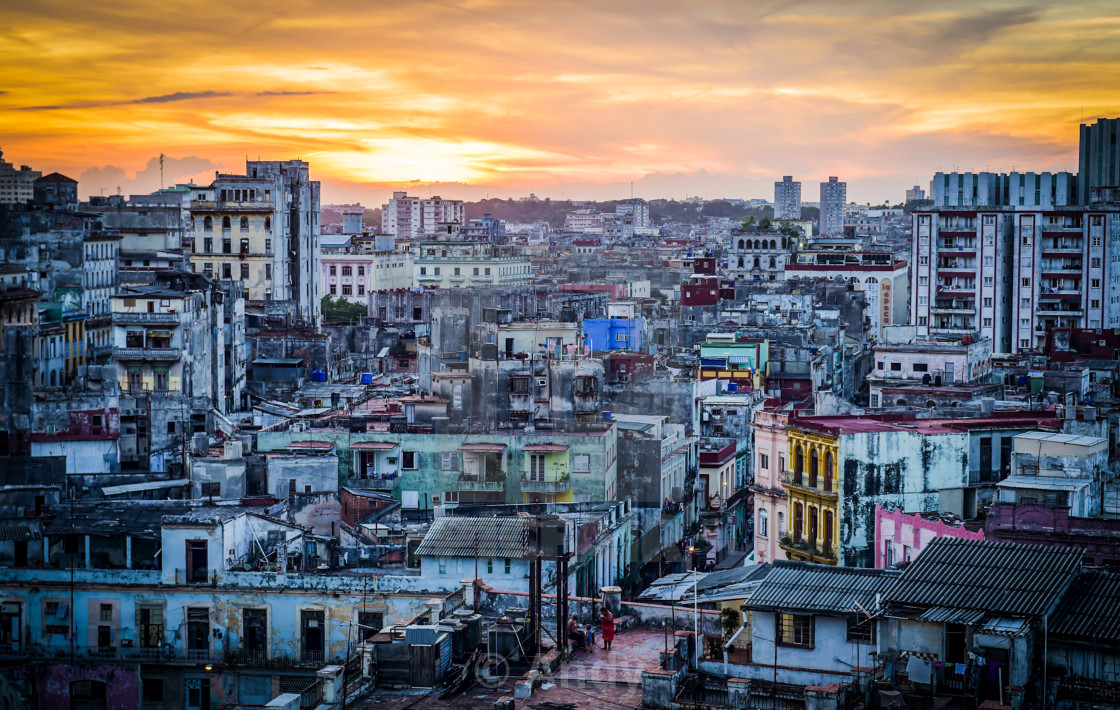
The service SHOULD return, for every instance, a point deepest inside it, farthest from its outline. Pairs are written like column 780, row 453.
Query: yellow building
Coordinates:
column 547, row 477
column 812, row 486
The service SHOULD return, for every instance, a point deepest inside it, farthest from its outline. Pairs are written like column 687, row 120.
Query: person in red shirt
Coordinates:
column 606, row 623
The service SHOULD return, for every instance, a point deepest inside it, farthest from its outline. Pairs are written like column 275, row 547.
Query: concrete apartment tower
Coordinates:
column 787, row 199
column 1099, row 157
column 833, row 196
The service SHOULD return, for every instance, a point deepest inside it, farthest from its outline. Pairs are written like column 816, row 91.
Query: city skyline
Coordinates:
column 568, row 101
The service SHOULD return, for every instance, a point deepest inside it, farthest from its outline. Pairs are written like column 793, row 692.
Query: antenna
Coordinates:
column 160, row 171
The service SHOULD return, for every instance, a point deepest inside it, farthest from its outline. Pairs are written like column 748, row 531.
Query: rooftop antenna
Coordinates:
column 161, row 171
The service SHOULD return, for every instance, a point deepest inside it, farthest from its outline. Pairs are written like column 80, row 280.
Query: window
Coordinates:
column 225, row 224
column 152, row 690
column 921, row 367
column 244, row 224
column 581, row 463
column 489, row 565
column 106, row 612
column 1094, row 283
column 922, row 320
column 449, row 461
column 861, row 630
column 987, row 322
column 989, row 280
column 96, row 425
column 764, row 462
column 923, row 281
column 347, row 271
column 1095, row 303
column 212, row 490
column 267, row 246
column 244, row 271
column 1027, row 282
column 435, row 271
column 334, row 270
column 989, row 261
column 268, row 271
column 795, row 630
column 923, row 300
column 509, row 565
column 923, row 261
column 763, row 529
column 451, row 496
column 361, row 290
column 987, row 303
column 1095, row 262
column 208, row 224
column 1096, row 241
column 896, row 367
column 536, row 467
column 409, row 460
column 443, row 566
column 227, row 271
column 347, row 289
column 334, row 290
column 620, row 337
column 208, row 245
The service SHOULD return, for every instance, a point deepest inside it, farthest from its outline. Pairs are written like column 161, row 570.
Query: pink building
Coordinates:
column 899, row 536
column 770, row 505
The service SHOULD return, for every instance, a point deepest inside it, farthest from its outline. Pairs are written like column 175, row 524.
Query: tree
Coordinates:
column 730, row 620
column 336, row 309
column 748, row 223
column 764, row 224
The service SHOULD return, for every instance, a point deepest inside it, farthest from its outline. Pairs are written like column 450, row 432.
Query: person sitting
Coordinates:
column 580, row 636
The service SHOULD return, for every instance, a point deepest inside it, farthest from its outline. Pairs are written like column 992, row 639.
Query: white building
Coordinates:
column 354, row 276
column 884, row 280
column 16, row 186
column 418, row 217
column 462, row 264
column 262, row 229
column 635, row 208
column 584, row 220
column 1010, row 274
column 787, row 199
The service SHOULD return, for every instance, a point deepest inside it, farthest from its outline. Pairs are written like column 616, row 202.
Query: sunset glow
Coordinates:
column 571, row 99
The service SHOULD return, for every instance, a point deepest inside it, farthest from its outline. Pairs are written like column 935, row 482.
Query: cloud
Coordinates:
column 181, row 96
column 291, row 93
column 109, row 179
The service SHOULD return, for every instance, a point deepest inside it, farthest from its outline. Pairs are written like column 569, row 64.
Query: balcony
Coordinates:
column 804, row 482
column 375, row 483
column 560, row 485
column 142, row 318
column 482, row 484
column 124, row 654
column 160, row 354
column 809, row 551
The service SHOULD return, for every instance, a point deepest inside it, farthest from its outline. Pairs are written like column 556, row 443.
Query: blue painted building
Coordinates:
column 615, row 333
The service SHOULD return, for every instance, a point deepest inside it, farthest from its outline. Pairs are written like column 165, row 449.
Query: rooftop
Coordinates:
column 864, row 423
column 986, row 577
column 1088, row 610
column 802, row 586
column 470, row 536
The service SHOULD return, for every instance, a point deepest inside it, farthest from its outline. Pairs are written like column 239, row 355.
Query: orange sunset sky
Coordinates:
column 565, row 99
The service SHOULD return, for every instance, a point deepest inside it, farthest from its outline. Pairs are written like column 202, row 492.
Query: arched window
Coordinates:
column 773, row 263
column 268, row 223
column 244, row 224
column 208, row 224
column 781, row 523
column 225, row 224
column 901, row 402
column 740, row 262
column 871, row 280
column 741, row 243
column 828, row 471
column 773, row 244
column 814, row 467
column 756, row 262
column 798, row 461
column 930, row 403
column 54, row 378
column 798, row 519
column 828, row 523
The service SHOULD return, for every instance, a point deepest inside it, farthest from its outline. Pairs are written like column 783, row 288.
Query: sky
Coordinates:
column 579, row 99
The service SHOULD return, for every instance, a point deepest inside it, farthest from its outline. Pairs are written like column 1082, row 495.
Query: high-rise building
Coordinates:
column 416, row 217
column 16, row 186
column 915, row 193
column 636, row 208
column 1011, row 274
column 787, row 199
column 1099, row 158
column 833, row 196
column 262, row 229
column 1041, row 190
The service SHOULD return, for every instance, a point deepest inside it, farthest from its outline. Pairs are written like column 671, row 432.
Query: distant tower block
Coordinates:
column 351, row 222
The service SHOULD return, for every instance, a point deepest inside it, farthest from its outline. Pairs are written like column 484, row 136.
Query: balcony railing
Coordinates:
column 160, row 318
column 162, row 354
column 811, row 550
column 374, row 483
column 481, row 484
column 560, row 485
column 803, row 481
column 124, row 654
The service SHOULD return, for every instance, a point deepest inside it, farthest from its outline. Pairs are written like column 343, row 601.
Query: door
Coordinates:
column 986, row 458
column 19, row 553
column 197, row 562
column 10, row 626
column 422, row 661
column 311, row 635
column 198, row 634
column 254, row 624
column 369, row 623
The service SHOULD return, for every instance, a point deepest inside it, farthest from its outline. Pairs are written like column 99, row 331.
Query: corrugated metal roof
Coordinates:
column 455, row 537
column 20, row 531
column 994, row 577
column 1089, row 609
column 941, row 615
column 801, row 586
column 1045, row 483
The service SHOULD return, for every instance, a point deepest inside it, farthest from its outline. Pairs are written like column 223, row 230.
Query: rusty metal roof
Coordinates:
column 456, row 537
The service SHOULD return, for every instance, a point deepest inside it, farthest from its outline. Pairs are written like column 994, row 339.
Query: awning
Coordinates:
column 1004, row 626
column 944, row 615
column 492, row 448
column 545, row 447
column 740, row 359
column 316, row 445
column 148, row 486
column 374, row 445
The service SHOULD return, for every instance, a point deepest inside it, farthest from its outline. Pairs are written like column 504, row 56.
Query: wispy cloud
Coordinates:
column 181, row 96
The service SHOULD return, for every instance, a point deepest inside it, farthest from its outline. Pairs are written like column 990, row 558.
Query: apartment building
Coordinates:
column 353, row 277
column 419, row 217
column 834, row 195
column 787, row 198
column 463, row 264
column 1017, row 189
column 1010, row 274
column 262, row 229
column 884, row 280
column 16, row 186
column 758, row 255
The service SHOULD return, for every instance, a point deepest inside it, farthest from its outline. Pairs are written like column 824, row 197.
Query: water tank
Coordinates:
column 318, row 376
column 606, row 415
column 732, row 387
column 367, row 378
